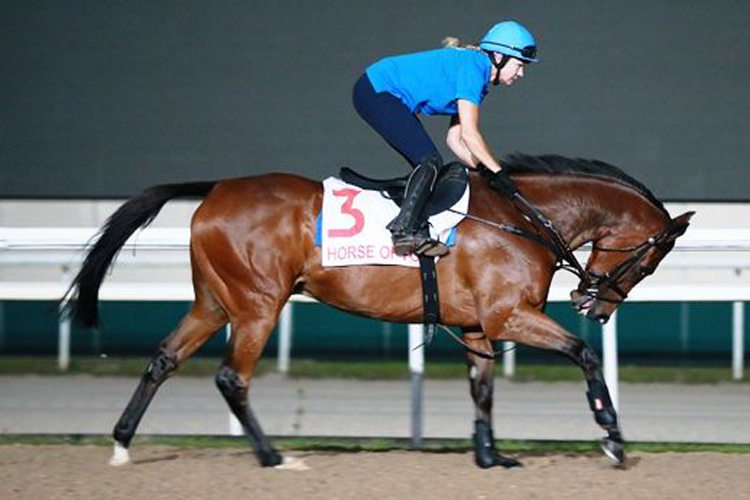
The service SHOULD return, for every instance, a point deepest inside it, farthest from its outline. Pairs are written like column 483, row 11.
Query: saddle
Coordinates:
column 449, row 186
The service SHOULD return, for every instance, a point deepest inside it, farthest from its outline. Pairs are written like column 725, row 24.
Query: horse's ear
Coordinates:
column 680, row 224
column 684, row 219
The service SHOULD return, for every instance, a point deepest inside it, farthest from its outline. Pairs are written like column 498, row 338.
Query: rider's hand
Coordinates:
column 499, row 181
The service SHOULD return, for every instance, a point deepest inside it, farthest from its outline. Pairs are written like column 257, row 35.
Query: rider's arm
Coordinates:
column 454, row 142
column 471, row 137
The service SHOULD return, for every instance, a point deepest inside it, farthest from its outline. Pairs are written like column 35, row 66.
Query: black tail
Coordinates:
column 83, row 295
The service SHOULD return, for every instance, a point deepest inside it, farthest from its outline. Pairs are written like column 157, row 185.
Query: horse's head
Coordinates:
column 620, row 261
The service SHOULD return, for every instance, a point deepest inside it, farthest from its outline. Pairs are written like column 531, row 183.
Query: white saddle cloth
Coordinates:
column 353, row 226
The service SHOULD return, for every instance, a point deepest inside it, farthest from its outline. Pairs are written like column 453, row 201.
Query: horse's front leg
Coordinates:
column 529, row 326
column 600, row 402
column 481, row 381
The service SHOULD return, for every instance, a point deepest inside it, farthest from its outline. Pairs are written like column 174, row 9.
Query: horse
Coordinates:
column 252, row 245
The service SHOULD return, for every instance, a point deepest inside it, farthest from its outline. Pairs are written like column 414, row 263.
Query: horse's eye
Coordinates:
column 645, row 271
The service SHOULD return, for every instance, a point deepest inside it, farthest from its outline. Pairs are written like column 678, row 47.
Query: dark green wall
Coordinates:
column 105, row 98
column 664, row 332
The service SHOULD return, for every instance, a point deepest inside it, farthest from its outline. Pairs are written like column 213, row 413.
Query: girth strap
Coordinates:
column 430, row 297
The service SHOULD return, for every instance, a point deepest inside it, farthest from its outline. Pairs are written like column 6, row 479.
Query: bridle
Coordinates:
column 592, row 284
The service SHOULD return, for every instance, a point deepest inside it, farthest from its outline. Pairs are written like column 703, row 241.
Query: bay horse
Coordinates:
column 252, row 246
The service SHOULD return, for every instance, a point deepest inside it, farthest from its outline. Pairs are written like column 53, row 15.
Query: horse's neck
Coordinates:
column 583, row 209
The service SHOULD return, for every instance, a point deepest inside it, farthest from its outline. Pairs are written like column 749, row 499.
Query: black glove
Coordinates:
column 499, row 181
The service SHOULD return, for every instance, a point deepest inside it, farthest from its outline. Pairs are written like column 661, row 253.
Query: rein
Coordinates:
column 508, row 228
column 565, row 259
column 591, row 284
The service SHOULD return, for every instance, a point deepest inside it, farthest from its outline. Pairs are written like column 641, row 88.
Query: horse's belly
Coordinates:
column 387, row 292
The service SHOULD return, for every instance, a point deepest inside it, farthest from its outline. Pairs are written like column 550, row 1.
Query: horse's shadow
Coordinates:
column 151, row 460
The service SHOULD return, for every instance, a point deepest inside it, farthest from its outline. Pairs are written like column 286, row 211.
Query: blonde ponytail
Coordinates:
column 452, row 41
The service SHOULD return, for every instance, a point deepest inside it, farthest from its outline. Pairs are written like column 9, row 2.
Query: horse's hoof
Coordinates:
column 120, row 456
column 508, row 462
column 615, row 450
column 269, row 458
column 495, row 459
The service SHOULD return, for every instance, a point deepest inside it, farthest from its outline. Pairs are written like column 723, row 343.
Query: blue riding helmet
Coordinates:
column 512, row 39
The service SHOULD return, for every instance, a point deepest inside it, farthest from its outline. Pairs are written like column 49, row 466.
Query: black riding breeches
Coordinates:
column 390, row 118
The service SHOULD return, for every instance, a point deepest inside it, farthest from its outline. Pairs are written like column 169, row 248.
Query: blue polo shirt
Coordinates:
column 430, row 82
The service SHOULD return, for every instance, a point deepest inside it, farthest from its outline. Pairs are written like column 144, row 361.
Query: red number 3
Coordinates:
column 346, row 208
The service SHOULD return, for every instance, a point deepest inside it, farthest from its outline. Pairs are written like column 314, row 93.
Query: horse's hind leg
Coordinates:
column 249, row 336
column 530, row 326
column 197, row 327
column 481, row 371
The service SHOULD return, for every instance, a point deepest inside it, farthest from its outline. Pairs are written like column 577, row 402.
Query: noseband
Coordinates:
column 593, row 284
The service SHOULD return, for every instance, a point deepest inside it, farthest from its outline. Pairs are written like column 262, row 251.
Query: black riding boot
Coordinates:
column 404, row 228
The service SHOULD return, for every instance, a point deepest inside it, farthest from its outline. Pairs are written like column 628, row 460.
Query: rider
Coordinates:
column 448, row 81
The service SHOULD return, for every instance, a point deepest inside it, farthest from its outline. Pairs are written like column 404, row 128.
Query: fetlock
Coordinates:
column 123, row 433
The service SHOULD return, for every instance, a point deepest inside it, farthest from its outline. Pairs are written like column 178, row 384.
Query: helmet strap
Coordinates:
column 498, row 65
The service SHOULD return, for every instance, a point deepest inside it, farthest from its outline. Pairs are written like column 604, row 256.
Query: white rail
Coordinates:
column 706, row 265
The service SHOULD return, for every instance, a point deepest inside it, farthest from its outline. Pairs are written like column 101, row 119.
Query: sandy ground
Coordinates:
column 81, row 472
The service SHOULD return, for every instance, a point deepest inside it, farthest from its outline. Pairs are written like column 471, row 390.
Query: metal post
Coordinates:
column 387, row 332
column 609, row 348
column 684, row 328
column 416, row 368
column 285, row 338
column 738, row 340
column 235, row 427
column 2, row 326
column 509, row 359
column 63, row 330
column 63, row 341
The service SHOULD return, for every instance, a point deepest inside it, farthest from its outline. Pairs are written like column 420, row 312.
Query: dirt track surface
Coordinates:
column 81, row 472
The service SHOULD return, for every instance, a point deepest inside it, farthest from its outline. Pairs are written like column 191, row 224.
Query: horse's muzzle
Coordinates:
column 592, row 308
column 581, row 301
column 600, row 317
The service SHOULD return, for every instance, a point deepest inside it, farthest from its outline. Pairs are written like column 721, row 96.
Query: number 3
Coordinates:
column 346, row 208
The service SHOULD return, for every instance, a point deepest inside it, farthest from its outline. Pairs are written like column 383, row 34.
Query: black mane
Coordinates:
column 561, row 165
